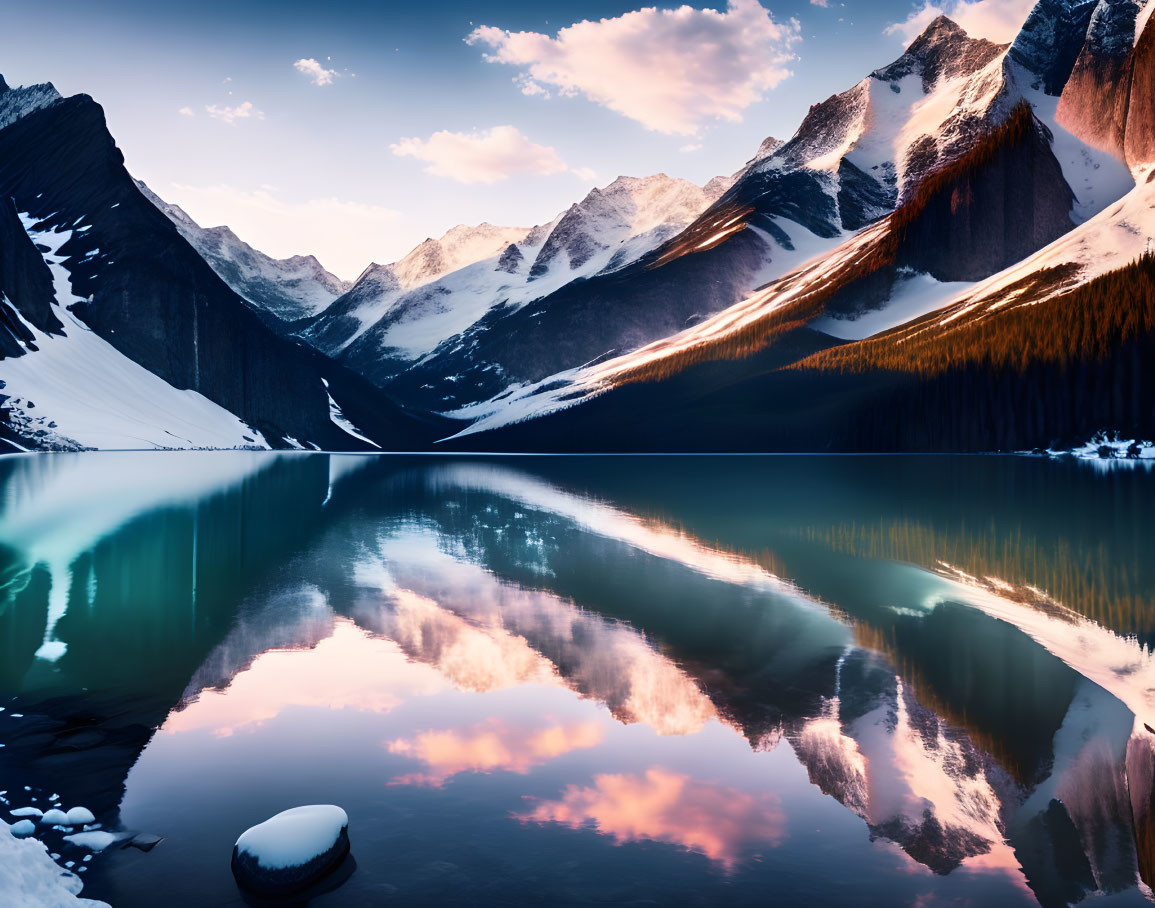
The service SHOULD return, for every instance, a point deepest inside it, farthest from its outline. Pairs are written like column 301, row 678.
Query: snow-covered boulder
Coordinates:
column 78, row 816
column 292, row 850
column 96, row 840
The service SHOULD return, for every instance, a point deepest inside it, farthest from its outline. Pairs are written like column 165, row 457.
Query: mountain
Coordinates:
column 288, row 289
column 855, row 158
column 383, row 294
column 396, row 314
column 924, row 330
column 116, row 331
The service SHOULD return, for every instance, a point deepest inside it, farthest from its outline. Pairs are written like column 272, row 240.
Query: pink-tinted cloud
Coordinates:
column 481, row 157
column 672, row 70
column 723, row 823
column 492, row 746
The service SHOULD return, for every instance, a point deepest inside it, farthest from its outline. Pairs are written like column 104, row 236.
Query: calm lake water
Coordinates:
column 784, row 680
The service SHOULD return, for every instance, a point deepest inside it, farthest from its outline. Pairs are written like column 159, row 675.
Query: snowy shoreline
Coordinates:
column 28, row 874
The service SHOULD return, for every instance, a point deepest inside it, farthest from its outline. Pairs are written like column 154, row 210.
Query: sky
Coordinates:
column 353, row 130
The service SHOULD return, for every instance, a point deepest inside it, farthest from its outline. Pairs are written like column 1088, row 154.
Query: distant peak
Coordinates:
column 769, row 145
column 943, row 25
column 3, row 84
column 372, row 269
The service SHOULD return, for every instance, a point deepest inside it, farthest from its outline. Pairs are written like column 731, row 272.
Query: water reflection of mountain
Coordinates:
column 133, row 568
column 922, row 708
column 953, row 678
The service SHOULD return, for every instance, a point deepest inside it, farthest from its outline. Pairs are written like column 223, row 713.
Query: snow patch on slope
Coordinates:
column 1097, row 178
column 79, row 388
column 1142, row 19
column 341, row 421
column 916, row 296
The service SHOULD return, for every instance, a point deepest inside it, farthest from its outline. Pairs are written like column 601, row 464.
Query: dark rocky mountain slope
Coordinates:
column 140, row 287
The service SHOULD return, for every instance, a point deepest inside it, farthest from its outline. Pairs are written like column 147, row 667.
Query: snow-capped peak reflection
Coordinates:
column 348, row 669
column 601, row 659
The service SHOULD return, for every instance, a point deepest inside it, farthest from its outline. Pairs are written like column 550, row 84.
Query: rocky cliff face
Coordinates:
column 978, row 220
column 1096, row 99
column 1051, row 39
column 25, row 287
column 1139, row 136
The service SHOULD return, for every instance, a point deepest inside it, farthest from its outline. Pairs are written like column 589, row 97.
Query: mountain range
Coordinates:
column 952, row 254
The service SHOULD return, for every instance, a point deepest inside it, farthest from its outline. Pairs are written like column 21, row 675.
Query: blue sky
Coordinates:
column 353, row 130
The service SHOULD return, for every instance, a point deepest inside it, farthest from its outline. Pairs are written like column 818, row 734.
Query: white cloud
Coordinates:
column 481, row 157
column 995, row 20
column 316, row 72
column 691, row 147
column 669, row 69
column 230, row 115
column 825, row 4
column 186, row 112
column 344, row 236
column 529, row 87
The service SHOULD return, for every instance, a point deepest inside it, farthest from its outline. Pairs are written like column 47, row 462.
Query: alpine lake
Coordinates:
column 589, row 680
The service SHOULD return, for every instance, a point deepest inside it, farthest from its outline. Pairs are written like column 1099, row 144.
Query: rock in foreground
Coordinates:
column 292, row 850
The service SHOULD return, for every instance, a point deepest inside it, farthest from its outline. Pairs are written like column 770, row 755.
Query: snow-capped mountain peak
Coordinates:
column 769, row 145
column 379, row 277
column 904, row 119
column 943, row 50
column 655, row 207
column 460, row 246
column 290, row 289
column 445, row 285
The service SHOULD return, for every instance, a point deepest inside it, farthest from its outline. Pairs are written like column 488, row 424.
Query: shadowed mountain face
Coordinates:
column 25, row 286
column 141, row 288
column 882, row 622
column 1051, row 40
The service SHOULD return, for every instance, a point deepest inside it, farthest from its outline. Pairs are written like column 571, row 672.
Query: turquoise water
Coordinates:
column 842, row 681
